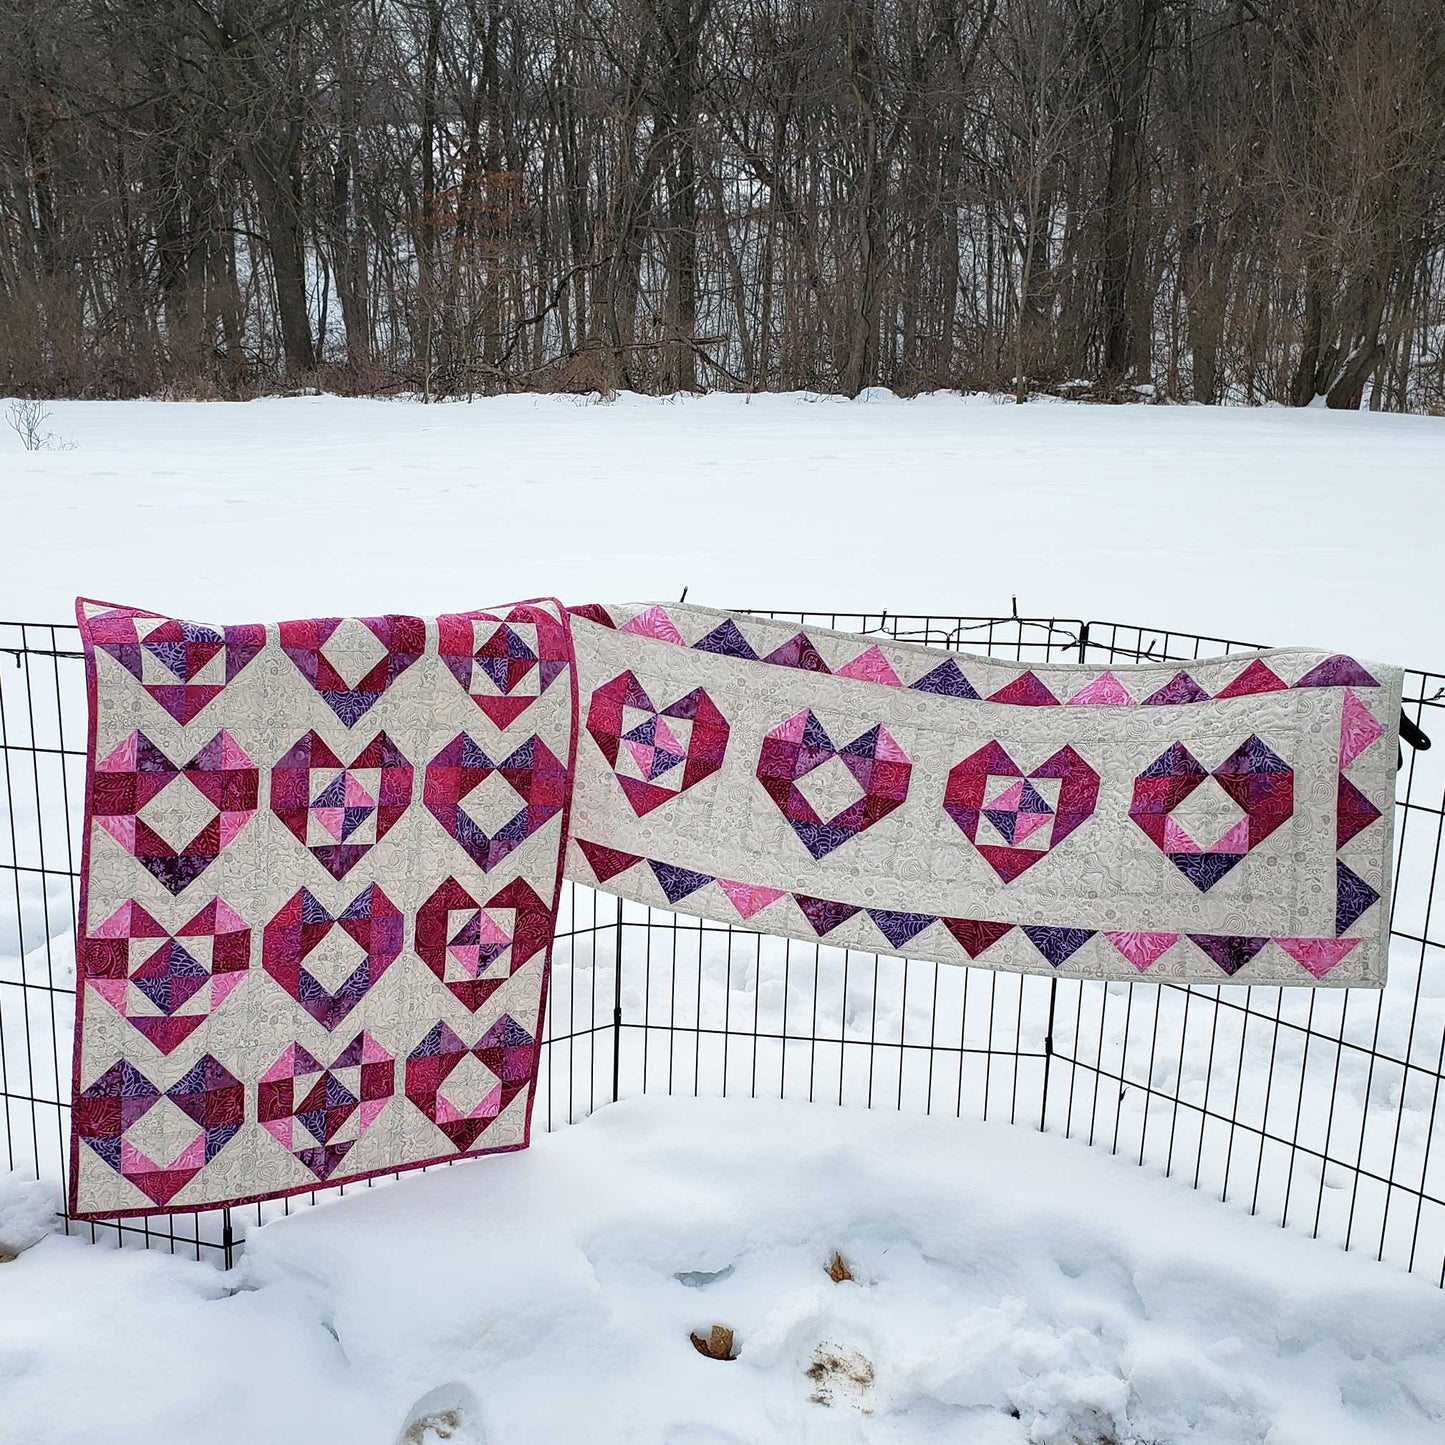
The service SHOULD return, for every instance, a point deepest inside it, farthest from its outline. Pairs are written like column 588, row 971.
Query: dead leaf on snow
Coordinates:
column 717, row 1346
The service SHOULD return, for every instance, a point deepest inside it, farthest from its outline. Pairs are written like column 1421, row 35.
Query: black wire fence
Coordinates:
column 1316, row 1108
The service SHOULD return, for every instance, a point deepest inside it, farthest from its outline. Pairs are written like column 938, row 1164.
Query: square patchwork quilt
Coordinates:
column 321, row 866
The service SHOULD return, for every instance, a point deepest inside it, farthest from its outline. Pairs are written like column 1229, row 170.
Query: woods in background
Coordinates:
column 1229, row 200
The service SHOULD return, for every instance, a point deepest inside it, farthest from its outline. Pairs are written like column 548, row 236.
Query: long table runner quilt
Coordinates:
column 322, row 859
column 1229, row 821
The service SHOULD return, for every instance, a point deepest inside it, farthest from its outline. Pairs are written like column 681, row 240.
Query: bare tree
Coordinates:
column 1232, row 199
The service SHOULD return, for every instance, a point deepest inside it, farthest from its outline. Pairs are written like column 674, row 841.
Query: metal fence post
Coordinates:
column 617, row 1008
column 1083, row 656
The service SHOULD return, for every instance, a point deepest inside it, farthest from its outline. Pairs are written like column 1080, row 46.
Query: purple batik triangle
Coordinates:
column 900, row 928
column 1058, row 944
column 676, row 882
column 1337, row 671
column 863, row 746
column 1352, row 897
column 644, row 732
column 727, row 641
column 1003, row 819
column 947, row 680
column 1175, row 762
column 1204, row 870
column 1179, row 689
column 1252, row 756
column 815, row 735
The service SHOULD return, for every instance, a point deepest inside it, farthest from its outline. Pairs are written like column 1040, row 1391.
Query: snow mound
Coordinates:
column 28, row 1211
column 997, row 1287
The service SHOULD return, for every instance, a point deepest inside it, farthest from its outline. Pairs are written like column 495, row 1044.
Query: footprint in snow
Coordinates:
column 701, row 1278
column 841, row 1375
column 448, row 1413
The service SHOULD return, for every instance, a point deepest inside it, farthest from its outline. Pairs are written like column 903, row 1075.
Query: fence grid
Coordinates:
column 1316, row 1108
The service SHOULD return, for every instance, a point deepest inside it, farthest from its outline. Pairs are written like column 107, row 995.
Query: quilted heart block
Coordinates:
column 174, row 819
column 351, row 661
column 327, row 963
column 474, row 948
column 504, row 664
column 462, row 1090
column 1014, row 818
column 1205, row 822
column 182, row 665
column 167, row 984
column 160, row 1140
column 830, row 795
column 320, row 1111
column 339, row 811
column 656, row 753
column 491, row 808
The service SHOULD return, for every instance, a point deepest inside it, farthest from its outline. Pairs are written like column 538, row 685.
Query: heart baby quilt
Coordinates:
column 321, row 867
column 322, row 858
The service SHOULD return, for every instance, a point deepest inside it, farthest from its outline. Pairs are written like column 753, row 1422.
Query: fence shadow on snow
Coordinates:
column 1316, row 1108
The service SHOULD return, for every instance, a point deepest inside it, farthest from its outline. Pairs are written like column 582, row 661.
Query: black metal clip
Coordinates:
column 1410, row 733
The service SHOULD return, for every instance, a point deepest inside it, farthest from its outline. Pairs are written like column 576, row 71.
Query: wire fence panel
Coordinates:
column 1314, row 1107
column 717, row 1010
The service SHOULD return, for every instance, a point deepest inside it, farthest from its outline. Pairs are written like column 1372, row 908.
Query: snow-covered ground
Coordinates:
column 1275, row 526
column 997, row 1271
column 1006, row 1288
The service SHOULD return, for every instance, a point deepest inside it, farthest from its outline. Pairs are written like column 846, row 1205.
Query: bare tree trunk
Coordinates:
column 344, row 225
column 861, row 366
column 275, row 171
column 680, row 24
column 1125, row 89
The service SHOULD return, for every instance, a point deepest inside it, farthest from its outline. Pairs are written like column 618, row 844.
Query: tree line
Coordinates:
column 1210, row 200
